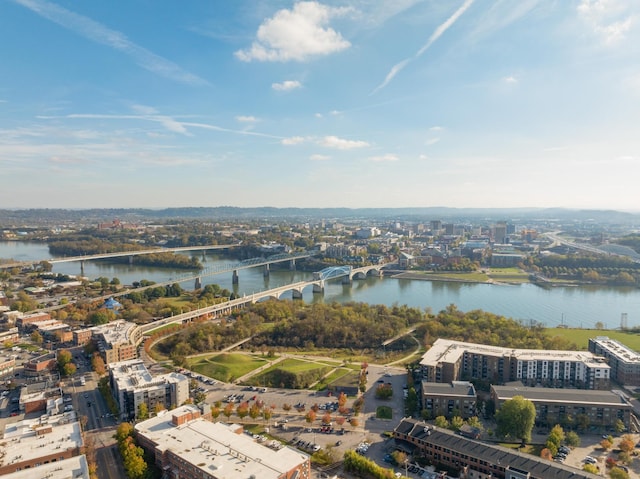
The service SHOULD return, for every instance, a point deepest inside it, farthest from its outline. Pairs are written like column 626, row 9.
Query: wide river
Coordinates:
column 581, row 306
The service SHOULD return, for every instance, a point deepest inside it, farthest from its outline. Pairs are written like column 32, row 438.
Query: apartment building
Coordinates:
column 477, row 460
column 133, row 385
column 457, row 398
column 116, row 341
column 187, row 446
column 624, row 362
column 449, row 360
column 564, row 406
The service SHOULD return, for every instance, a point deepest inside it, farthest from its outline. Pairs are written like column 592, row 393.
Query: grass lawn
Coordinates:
column 226, row 366
column 581, row 336
column 297, row 365
column 334, row 376
column 512, row 275
column 470, row 276
column 384, row 412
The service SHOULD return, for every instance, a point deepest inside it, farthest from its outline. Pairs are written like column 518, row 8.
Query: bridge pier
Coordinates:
column 292, row 265
column 234, row 277
column 296, row 294
column 347, row 279
column 130, row 260
column 265, row 271
column 198, row 283
column 81, row 267
column 318, row 288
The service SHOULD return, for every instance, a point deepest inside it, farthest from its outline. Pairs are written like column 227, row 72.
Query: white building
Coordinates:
column 187, row 446
column 133, row 385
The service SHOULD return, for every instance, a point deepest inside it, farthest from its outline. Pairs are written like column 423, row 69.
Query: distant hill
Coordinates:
column 15, row 218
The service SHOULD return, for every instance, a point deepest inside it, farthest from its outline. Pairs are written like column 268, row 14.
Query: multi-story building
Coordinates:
column 36, row 442
column 116, row 341
column 457, row 398
column 75, row 467
column 187, row 446
column 7, row 365
column 40, row 365
column 564, row 406
column 24, row 320
column 10, row 334
column 624, row 362
column 449, row 360
column 475, row 459
column 133, row 385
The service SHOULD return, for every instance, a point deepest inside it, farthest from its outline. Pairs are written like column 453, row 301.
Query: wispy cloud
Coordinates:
column 327, row 142
column 286, row 85
column 319, row 157
column 246, row 119
column 341, row 143
column 297, row 34
column 611, row 20
column 293, row 140
column 432, row 141
column 511, row 79
column 94, row 31
column 437, row 33
column 384, row 158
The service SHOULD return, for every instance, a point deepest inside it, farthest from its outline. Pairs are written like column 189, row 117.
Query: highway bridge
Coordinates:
column 296, row 289
column 119, row 254
column 557, row 239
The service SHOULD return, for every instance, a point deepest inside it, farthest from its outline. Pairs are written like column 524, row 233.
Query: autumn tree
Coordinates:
column 606, row 444
column 242, row 410
column 626, row 444
column 310, row 416
column 228, row 410
column 342, row 399
column 215, row 412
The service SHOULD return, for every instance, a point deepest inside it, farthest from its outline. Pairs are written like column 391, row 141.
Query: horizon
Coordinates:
column 353, row 104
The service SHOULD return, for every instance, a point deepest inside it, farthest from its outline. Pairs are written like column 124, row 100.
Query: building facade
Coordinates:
column 457, row 398
column 186, row 446
column 624, row 362
column 133, row 385
column 569, row 407
column 448, row 361
column 116, row 341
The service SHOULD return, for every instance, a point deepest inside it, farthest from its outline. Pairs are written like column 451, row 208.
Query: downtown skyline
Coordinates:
column 353, row 104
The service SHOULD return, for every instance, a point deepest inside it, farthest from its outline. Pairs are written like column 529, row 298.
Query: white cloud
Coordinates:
column 341, row 143
column 387, row 157
column 286, row 85
column 437, row 33
column 297, row 34
column 335, row 112
column 319, row 157
column 511, row 79
column 318, row 115
column 246, row 119
column 609, row 19
column 98, row 33
column 432, row 141
column 436, row 128
column 423, row 157
column 293, row 140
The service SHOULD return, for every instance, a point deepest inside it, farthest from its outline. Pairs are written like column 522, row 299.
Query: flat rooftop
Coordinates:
column 618, row 350
column 217, row 449
column 563, row 396
column 449, row 351
column 133, row 374
column 29, row 439
column 115, row 332
column 73, row 468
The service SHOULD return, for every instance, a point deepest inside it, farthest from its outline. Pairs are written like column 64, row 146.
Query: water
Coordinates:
column 582, row 306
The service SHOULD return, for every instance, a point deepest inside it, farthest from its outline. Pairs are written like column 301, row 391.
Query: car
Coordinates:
column 589, row 460
column 338, row 443
column 13, row 414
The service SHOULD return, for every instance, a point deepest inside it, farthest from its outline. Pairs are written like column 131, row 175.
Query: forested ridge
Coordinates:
column 355, row 326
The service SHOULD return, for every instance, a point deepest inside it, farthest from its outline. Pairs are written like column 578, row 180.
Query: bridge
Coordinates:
column 557, row 239
column 119, row 254
column 346, row 272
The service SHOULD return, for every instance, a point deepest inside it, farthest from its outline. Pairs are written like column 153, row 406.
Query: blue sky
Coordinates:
column 355, row 103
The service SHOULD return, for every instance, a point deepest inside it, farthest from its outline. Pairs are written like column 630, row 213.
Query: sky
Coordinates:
column 353, row 103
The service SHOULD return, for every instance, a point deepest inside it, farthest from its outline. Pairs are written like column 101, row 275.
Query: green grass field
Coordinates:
column 297, row 365
column 509, row 275
column 581, row 336
column 384, row 412
column 334, row 376
column 227, row 366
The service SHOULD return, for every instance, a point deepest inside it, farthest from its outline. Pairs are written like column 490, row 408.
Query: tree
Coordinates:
column 242, row 410
column 68, row 369
column 215, row 412
column 158, row 408
column 456, row 423
column 267, row 413
column 546, row 454
column 228, row 410
column 310, row 416
column 254, row 411
column 626, row 444
column 442, row 422
column 572, row 439
column 516, row 418
column 606, row 444
column 617, row 473
column 342, row 399
column 619, row 426
column 102, row 317
column 143, row 411
column 592, row 468
column 36, row 337
column 97, row 363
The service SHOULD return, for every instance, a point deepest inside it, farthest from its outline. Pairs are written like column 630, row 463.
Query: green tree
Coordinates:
column 215, row 412
column 143, row 411
column 619, row 426
column 102, row 317
column 442, row 422
column 516, row 418
column 592, row 468
column 617, row 473
column 572, row 439
column 456, row 423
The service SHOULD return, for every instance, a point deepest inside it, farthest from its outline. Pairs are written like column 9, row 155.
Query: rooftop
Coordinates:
column 564, row 396
column 73, row 468
column 217, row 449
column 617, row 349
column 133, row 374
column 115, row 332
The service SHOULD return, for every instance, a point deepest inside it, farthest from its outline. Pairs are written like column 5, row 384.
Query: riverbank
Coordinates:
column 463, row 278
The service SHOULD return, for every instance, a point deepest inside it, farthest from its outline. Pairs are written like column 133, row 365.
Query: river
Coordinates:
column 579, row 306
